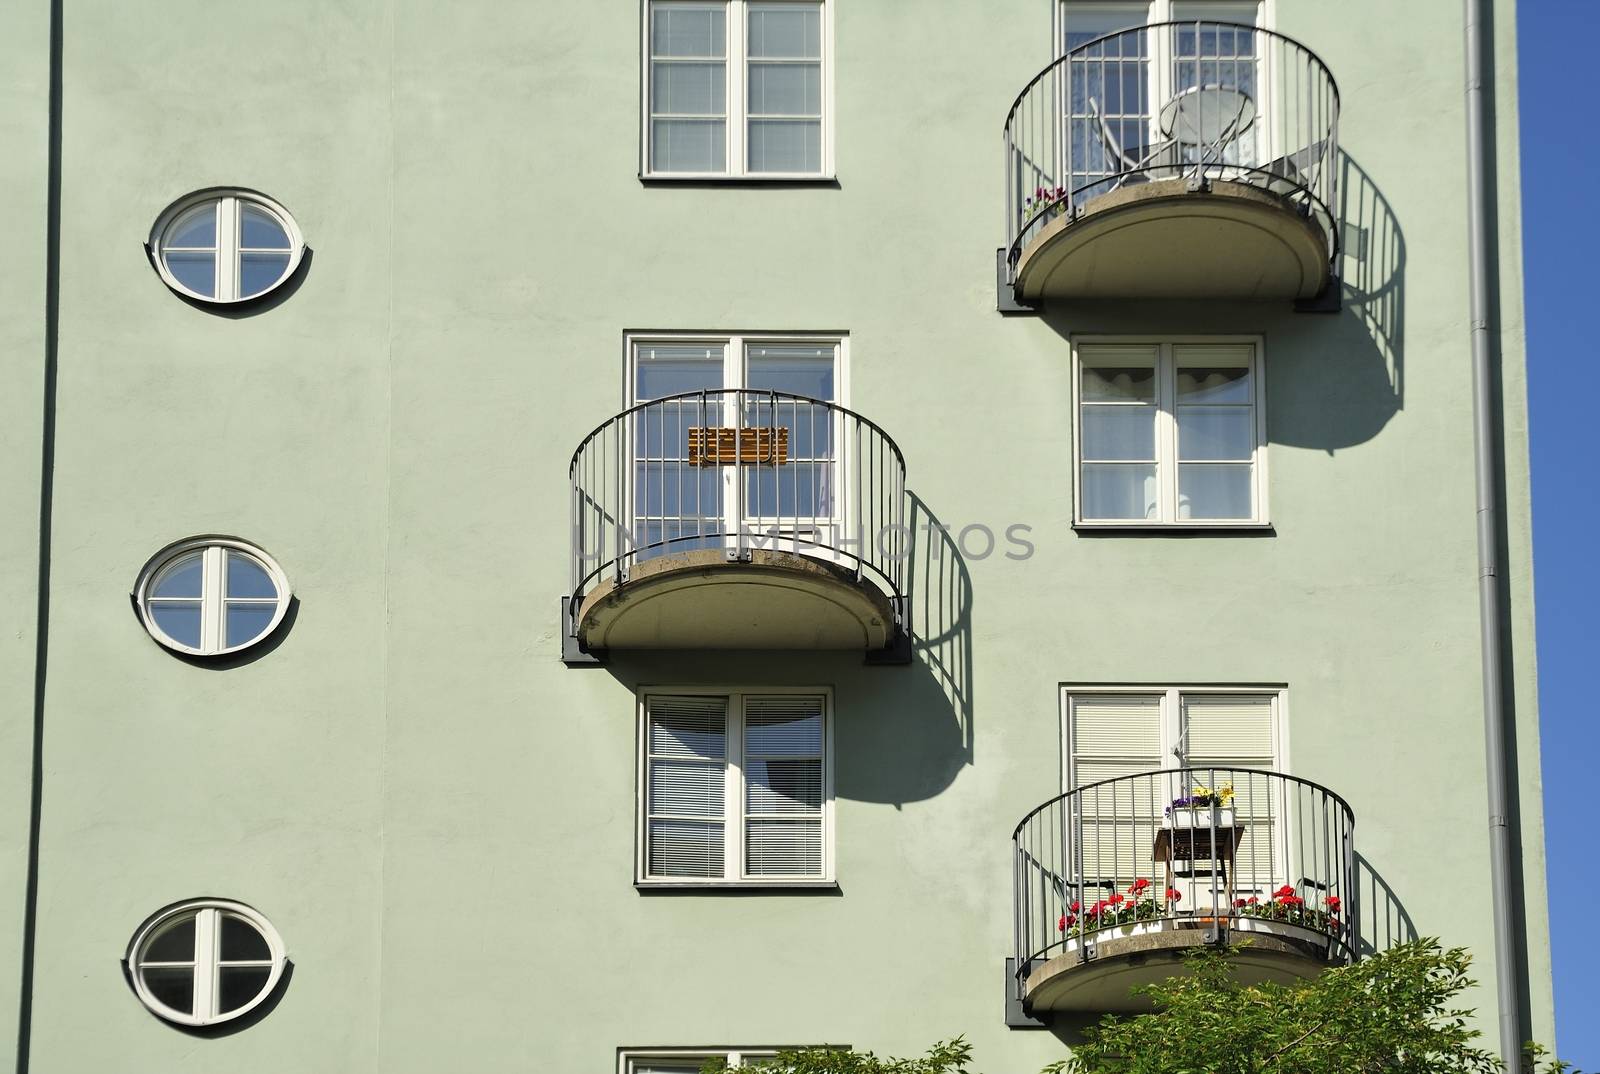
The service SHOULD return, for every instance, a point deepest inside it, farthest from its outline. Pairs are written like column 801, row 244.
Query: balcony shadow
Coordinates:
column 901, row 732
column 1333, row 380
column 1384, row 919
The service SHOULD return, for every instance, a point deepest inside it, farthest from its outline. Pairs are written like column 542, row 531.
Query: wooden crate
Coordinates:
column 725, row 447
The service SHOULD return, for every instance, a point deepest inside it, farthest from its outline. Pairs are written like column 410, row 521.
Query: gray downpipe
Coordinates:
column 1508, row 940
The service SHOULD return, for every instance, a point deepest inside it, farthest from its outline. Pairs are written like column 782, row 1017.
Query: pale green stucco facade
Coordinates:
column 434, row 811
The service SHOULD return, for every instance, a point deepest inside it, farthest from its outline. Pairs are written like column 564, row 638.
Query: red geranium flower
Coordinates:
column 1074, row 906
column 1066, row 922
column 1333, row 903
column 1114, row 900
column 1251, row 901
column 1240, row 902
column 1285, row 890
column 1173, row 895
column 1140, row 884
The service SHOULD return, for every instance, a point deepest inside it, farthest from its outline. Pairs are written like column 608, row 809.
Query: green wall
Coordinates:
column 436, row 814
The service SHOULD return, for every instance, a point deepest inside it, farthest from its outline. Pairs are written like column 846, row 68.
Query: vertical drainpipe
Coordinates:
column 1508, row 939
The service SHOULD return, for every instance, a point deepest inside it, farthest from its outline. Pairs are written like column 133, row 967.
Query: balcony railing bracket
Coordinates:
column 573, row 654
column 1005, row 292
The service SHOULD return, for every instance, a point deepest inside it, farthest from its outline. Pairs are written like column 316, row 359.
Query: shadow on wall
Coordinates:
column 901, row 733
column 1384, row 920
column 1345, row 376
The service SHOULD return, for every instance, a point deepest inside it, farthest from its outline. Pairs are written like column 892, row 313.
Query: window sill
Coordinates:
column 775, row 887
column 1258, row 529
column 797, row 180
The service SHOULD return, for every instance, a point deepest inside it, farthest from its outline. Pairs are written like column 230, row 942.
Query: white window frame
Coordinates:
column 738, row 112
column 1156, row 11
column 213, row 599
column 1167, row 435
column 735, row 368
column 1172, row 717
column 228, row 243
column 733, row 820
column 207, row 914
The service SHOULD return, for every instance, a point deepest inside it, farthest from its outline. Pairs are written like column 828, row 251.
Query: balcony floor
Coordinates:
column 1163, row 239
column 701, row 600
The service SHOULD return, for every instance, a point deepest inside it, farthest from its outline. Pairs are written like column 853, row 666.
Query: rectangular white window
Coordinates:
column 738, row 88
column 1124, row 93
column 687, row 1060
column 1221, row 733
column 1170, row 433
column 736, row 787
column 700, row 381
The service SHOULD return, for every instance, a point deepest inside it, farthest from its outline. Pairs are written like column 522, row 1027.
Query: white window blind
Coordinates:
column 735, row 787
column 783, row 786
column 685, row 786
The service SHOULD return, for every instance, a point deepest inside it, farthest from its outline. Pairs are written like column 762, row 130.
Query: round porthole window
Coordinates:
column 209, row 596
column 205, row 961
column 225, row 245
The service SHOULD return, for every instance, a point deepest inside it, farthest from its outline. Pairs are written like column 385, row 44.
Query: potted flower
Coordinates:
column 1046, row 204
column 1289, row 908
column 1141, row 909
column 1196, row 810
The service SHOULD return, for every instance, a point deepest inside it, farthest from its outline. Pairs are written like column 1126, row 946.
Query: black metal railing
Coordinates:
column 1222, row 849
column 739, row 470
column 1191, row 100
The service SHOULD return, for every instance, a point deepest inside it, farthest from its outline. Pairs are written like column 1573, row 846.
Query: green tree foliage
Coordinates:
column 1394, row 1013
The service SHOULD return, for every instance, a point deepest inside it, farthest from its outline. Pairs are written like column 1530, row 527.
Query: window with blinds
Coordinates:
column 735, row 788
column 1124, row 750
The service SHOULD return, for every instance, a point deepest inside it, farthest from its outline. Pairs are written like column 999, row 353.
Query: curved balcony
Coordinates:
column 1114, row 881
column 1177, row 160
column 738, row 519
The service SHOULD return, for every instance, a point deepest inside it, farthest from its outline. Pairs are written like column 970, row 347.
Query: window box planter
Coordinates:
column 1200, row 817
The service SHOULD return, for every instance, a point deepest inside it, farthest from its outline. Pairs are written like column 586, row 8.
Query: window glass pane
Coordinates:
column 688, row 29
column 1214, row 491
column 241, row 942
column 801, row 491
column 792, row 31
column 1085, row 22
column 782, row 145
column 172, row 987
column 680, row 848
column 799, row 369
column 197, row 272
column 783, row 727
column 1216, row 432
column 258, row 272
column 668, row 370
column 1211, row 384
column 238, row 985
column 1214, row 11
column 174, row 943
column 181, row 579
column 196, row 228
column 259, row 229
column 691, row 788
column 1119, row 491
column 783, row 786
column 690, row 89
column 688, row 727
column 247, row 578
column 783, row 848
column 1116, row 384
column 688, row 145
column 785, row 89
column 180, row 622
column 1119, row 432
column 675, row 490
column 247, row 622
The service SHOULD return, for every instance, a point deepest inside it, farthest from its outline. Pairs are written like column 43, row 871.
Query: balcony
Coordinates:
column 1177, row 160
column 738, row 519
column 1114, row 881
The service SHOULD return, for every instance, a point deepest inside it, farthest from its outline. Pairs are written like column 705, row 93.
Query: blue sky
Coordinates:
column 1560, row 165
